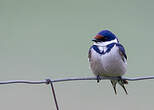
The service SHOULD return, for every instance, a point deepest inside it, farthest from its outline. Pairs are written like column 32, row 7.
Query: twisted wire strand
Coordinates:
column 49, row 81
column 74, row 79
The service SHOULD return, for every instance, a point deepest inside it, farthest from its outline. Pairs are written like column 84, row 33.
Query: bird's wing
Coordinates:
column 122, row 51
column 89, row 54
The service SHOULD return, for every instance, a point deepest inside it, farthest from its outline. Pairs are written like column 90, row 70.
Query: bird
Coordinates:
column 107, row 58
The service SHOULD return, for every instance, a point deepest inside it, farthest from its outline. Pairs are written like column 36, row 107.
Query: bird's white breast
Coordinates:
column 108, row 64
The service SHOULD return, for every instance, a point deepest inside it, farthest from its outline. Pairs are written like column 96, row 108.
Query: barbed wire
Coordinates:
column 74, row 79
column 50, row 81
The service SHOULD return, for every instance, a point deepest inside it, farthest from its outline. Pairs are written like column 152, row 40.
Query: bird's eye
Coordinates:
column 105, row 38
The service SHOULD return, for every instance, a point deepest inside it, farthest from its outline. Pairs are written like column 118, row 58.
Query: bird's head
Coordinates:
column 105, row 37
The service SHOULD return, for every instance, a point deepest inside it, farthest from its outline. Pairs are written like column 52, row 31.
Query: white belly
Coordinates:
column 109, row 64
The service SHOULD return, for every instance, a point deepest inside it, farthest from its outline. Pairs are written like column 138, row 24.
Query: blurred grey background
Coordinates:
column 42, row 39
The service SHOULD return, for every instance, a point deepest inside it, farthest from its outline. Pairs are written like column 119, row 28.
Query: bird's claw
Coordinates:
column 98, row 78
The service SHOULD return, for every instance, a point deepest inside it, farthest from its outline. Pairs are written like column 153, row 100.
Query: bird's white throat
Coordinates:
column 103, row 44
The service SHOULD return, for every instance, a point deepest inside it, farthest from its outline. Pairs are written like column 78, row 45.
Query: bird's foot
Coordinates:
column 98, row 78
column 124, row 81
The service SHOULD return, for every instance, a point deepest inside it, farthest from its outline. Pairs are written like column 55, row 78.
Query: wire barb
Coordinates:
column 48, row 81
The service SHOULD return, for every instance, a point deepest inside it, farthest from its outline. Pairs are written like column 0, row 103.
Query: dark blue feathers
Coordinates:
column 122, row 50
column 109, row 47
column 108, row 35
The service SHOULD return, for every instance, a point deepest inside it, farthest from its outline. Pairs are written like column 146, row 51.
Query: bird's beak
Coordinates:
column 97, row 38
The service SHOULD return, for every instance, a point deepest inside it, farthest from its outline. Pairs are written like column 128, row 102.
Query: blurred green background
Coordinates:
column 42, row 39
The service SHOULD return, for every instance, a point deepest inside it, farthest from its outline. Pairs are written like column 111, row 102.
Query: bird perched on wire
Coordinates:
column 107, row 58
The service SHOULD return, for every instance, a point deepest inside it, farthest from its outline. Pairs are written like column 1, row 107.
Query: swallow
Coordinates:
column 107, row 58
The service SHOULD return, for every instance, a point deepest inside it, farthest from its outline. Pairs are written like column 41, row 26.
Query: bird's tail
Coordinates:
column 114, row 83
column 121, row 82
